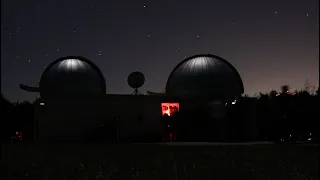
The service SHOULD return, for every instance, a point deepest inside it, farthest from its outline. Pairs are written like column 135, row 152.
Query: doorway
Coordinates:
column 170, row 111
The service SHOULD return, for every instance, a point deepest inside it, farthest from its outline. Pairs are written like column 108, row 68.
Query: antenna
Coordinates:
column 136, row 80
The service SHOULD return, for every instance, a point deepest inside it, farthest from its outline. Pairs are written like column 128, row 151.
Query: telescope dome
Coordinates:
column 204, row 76
column 72, row 75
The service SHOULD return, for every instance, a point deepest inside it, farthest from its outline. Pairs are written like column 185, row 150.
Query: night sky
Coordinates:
column 270, row 43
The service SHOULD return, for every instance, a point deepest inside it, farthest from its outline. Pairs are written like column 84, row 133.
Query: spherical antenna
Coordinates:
column 136, row 80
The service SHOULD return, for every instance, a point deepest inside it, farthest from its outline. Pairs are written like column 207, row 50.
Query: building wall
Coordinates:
column 242, row 121
column 140, row 119
column 75, row 118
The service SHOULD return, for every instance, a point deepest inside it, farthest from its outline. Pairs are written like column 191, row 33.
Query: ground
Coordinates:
column 176, row 161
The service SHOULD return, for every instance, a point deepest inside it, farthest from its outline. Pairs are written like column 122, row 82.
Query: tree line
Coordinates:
column 280, row 116
column 288, row 116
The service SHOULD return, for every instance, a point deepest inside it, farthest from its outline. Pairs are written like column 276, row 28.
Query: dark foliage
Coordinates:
column 284, row 89
column 6, row 119
column 16, row 118
column 159, row 162
column 285, row 116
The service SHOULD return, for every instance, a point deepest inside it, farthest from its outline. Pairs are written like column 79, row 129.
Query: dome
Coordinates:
column 72, row 75
column 204, row 76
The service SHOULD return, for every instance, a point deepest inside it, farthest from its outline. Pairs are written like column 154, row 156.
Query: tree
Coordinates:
column 6, row 119
column 284, row 89
column 307, row 86
column 273, row 93
column 263, row 96
column 23, row 115
column 304, row 93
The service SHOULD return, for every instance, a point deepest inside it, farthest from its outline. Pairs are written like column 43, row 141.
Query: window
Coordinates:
column 169, row 108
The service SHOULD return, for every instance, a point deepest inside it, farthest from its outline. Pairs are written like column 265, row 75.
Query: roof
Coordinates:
column 72, row 74
column 206, row 76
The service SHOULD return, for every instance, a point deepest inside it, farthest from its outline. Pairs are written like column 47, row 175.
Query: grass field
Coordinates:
column 160, row 162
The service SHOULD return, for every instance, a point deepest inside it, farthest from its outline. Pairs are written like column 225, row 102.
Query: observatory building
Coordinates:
column 74, row 104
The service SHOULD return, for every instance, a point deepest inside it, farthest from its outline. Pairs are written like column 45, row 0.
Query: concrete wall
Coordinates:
column 76, row 118
column 242, row 120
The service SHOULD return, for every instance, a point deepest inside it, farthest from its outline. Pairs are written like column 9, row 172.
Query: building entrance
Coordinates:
column 169, row 113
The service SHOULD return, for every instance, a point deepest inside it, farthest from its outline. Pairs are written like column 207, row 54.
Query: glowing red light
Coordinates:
column 169, row 108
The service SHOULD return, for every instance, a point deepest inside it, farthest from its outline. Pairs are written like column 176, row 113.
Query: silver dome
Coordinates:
column 72, row 75
column 204, row 76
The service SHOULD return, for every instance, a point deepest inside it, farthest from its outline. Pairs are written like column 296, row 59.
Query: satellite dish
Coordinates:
column 136, row 80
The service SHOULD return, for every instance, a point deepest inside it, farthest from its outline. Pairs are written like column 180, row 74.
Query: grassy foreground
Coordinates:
column 159, row 162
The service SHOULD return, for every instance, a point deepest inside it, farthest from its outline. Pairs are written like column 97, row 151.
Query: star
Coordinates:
column 168, row 39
